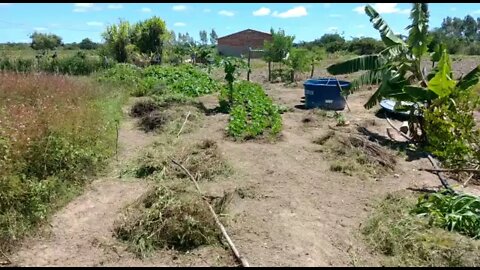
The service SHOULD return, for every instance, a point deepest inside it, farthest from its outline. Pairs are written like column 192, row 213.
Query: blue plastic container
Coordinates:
column 324, row 93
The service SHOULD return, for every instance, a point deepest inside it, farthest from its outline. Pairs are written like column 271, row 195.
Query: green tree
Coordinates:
column 332, row 42
column 278, row 48
column 42, row 41
column 213, row 37
column 298, row 61
column 203, row 37
column 150, row 36
column 469, row 28
column 365, row 45
column 87, row 44
column 117, row 38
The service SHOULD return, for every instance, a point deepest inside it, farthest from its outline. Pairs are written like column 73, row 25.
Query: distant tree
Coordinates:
column 87, row 44
column 42, row 41
column 213, row 37
column 149, row 36
column 277, row 49
column 365, row 45
column 332, row 42
column 117, row 38
column 470, row 27
column 203, row 37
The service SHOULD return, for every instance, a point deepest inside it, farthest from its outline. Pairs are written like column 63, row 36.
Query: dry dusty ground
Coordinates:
column 293, row 211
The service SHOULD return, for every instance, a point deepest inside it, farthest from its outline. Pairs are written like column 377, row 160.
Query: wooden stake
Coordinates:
column 450, row 170
column 341, row 90
column 242, row 260
column 184, row 122
column 397, row 130
column 470, row 177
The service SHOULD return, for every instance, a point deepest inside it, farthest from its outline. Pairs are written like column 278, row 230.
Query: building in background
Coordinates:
column 238, row 43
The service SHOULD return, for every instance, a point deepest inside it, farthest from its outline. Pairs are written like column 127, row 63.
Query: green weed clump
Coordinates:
column 252, row 112
column 55, row 133
column 459, row 213
column 185, row 79
column 407, row 240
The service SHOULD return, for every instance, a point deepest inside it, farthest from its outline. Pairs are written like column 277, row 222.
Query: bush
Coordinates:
column 56, row 131
column 185, row 79
column 252, row 113
column 451, row 129
column 365, row 45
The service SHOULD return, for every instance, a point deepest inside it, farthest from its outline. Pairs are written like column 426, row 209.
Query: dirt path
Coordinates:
column 80, row 232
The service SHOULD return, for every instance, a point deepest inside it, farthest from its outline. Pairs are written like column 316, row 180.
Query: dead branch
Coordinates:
column 8, row 261
column 440, row 175
column 184, row 122
column 397, row 130
column 242, row 260
column 450, row 170
column 470, row 177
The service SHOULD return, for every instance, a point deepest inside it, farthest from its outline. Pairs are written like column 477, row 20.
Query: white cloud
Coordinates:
column 83, row 5
column 95, row 23
column 207, row 10
column 146, row 10
column 262, row 12
column 360, row 26
column 226, row 13
column 40, row 29
column 179, row 24
column 335, row 16
column 333, row 29
column 327, row 5
column 115, row 6
column 295, row 12
column 476, row 12
column 453, row 9
column 179, row 7
column 5, row 4
column 383, row 8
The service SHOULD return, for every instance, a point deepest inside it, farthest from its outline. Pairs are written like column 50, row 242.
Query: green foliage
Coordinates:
column 184, row 79
column 451, row 129
column 365, row 45
column 277, row 49
column 453, row 212
column 407, row 240
column 87, row 44
column 252, row 113
column 149, row 36
column 231, row 67
column 117, row 37
column 299, row 61
column 42, row 41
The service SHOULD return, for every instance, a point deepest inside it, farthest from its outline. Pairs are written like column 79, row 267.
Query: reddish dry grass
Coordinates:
column 31, row 105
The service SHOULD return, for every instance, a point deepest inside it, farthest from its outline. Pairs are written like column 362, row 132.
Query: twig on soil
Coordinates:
column 450, row 170
column 470, row 177
column 6, row 257
column 397, row 130
column 242, row 260
column 440, row 175
column 184, row 122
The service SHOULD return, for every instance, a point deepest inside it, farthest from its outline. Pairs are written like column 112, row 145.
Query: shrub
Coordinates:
column 184, row 79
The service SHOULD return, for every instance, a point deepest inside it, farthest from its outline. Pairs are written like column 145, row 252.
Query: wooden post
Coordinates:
column 269, row 71
column 249, row 56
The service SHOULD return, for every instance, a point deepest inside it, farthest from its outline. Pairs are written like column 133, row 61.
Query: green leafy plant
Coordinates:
column 252, row 113
column 454, row 212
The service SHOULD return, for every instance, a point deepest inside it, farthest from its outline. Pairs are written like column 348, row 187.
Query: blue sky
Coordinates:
column 308, row 21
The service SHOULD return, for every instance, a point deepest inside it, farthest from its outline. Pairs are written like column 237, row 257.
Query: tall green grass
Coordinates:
column 56, row 132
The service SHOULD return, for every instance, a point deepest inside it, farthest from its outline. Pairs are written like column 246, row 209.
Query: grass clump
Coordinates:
column 167, row 218
column 202, row 159
column 252, row 112
column 408, row 240
column 56, row 132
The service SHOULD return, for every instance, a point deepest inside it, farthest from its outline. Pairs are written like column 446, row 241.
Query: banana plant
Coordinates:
column 398, row 64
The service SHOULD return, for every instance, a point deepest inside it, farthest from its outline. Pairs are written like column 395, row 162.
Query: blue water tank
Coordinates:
column 324, row 93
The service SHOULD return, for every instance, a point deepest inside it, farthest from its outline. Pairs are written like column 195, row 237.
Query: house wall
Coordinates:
column 238, row 44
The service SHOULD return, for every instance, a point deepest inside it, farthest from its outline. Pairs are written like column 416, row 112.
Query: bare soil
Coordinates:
column 289, row 208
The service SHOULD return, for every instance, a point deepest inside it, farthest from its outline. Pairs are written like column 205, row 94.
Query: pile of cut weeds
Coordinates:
column 407, row 240
column 353, row 154
column 167, row 217
column 203, row 160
